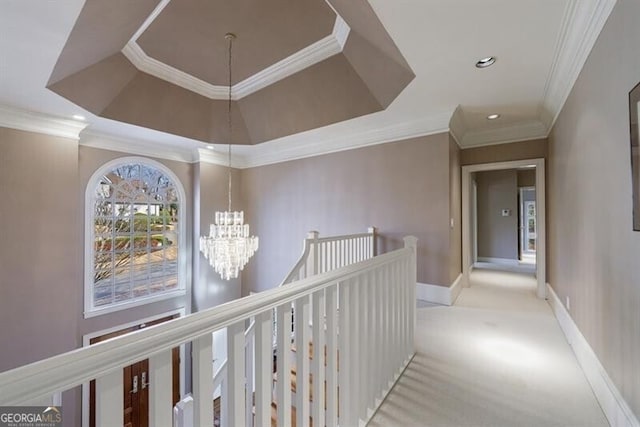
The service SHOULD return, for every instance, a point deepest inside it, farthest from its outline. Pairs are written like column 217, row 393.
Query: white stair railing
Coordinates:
column 319, row 255
column 322, row 254
column 376, row 324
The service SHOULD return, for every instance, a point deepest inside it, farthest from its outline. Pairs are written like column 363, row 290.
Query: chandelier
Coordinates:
column 228, row 246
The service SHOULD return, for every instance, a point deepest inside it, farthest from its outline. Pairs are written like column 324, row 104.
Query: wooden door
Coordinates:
column 136, row 394
column 136, row 383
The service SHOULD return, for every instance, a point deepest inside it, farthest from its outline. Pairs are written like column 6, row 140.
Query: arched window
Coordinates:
column 134, row 235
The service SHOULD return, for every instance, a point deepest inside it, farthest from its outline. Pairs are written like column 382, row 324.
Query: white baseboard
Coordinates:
column 505, row 261
column 444, row 295
column 615, row 408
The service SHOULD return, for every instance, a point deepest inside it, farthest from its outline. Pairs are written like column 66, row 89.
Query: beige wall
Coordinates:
column 593, row 252
column 455, row 211
column 40, row 260
column 402, row 188
column 497, row 234
column 533, row 149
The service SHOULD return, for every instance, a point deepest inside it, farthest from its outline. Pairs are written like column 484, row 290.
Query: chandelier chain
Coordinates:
column 229, row 122
column 229, row 244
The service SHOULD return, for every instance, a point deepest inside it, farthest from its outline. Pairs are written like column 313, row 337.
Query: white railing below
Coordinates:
column 319, row 255
column 322, row 254
column 376, row 323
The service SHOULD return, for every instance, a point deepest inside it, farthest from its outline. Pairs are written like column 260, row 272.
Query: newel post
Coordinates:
column 374, row 237
column 312, row 259
column 412, row 278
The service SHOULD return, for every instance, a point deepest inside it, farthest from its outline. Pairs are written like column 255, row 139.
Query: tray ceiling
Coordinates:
column 163, row 65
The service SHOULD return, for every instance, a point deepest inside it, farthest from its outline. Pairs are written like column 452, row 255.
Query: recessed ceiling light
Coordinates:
column 210, row 147
column 493, row 116
column 486, row 62
column 79, row 117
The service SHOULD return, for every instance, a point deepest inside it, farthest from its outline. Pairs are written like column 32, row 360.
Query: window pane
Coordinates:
column 135, row 247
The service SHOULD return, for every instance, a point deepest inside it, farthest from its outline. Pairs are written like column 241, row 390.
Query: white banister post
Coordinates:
column 109, row 402
column 374, row 236
column 412, row 242
column 160, row 389
column 202, row 378
column 312, row 260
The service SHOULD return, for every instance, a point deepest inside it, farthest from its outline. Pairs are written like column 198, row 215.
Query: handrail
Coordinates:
column 298, row 265
column 43, row 378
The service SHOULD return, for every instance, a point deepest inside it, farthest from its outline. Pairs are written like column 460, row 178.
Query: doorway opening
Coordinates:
column 519, row 218
column 527, row 225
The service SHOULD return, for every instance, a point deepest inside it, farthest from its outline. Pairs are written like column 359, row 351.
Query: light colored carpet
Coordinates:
column 496, row 358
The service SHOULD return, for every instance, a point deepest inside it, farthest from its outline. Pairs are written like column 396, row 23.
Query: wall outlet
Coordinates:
column 568, row 304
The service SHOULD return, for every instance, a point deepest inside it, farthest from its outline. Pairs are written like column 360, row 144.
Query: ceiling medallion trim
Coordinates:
column 304, row 58
column 28, row 121
column 582, row 23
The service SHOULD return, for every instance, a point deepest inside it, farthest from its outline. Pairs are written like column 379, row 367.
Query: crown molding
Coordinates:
column 304, row 58
column 519, row 132
column 136, row 146
column 29, row 121
column 582, row 23
column 152, row 17
column 149, row 65
column 310, row 145
column 218, row 157
column 457, row 126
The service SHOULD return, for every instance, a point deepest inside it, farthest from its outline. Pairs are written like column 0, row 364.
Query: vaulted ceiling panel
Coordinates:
column 101, row 30
column 325, row 93
column 189, row 34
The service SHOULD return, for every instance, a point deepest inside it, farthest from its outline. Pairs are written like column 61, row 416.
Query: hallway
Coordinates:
column 496, row 358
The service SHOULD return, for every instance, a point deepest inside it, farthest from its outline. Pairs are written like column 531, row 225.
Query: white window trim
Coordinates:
column 89, row 199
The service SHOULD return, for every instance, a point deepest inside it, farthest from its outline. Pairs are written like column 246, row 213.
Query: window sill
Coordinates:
column 94, row 312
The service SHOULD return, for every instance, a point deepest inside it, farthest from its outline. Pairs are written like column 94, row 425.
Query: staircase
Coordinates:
column 358, row 309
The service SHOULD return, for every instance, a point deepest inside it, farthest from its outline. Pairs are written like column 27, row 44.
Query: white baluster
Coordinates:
column 235, row 374
column 345, row 347
column 318, row 366
column 355, row 360
column 202, row 366
column 109, row 402
column 160, row 385
column 386, row 322
column 264, row 368
column 302, row 361
column 283, row 387
column 363, row 335
column 332, row 356
column 250, row 358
